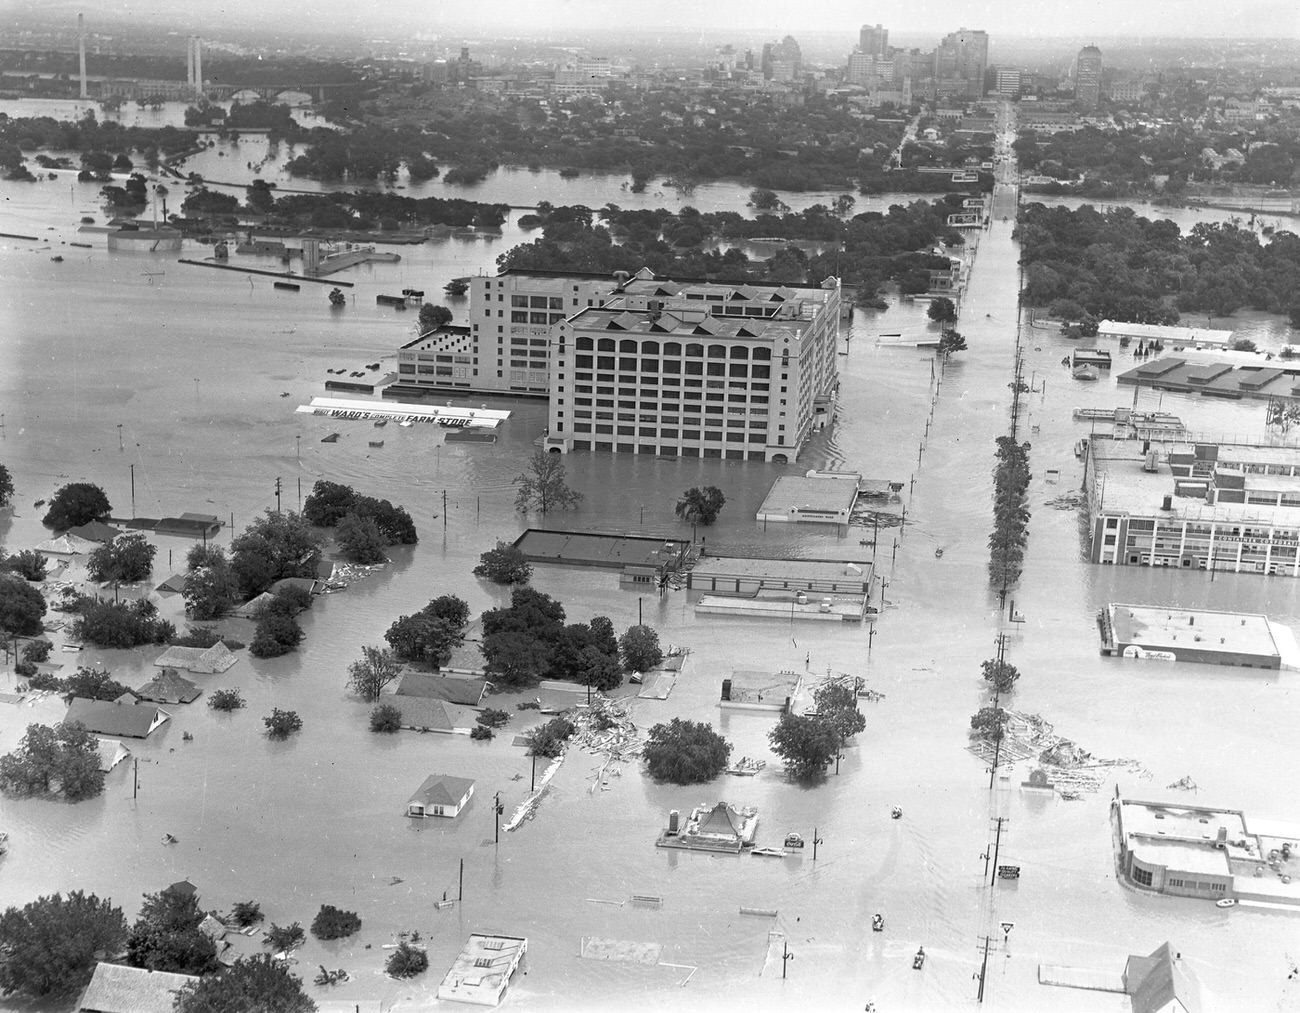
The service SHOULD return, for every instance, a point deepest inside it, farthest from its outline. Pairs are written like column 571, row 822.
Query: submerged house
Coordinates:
column 1159, row 983
column 204, row 660
column 424, row 714
column 120, row 718
column 116, row 988
column 449, row 689
column 169, row 686
column 440, row 795
column 111, row 753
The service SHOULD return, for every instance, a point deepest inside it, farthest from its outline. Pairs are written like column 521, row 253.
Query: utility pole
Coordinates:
column 135, row 779
column 133, row 490
column 984, row 964
column 277, row 493
column 300, row 494
column 997, row 846
column 444, row 511
column 497, row 810
column 533, row 784
column 460, row 890
column 997, row 698
column 120, row 445
column 786, row 956
column 816, row 841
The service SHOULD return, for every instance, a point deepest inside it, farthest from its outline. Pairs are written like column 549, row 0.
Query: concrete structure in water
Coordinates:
column 1195, row 635
column 1234, row 379
column 1207, row 853
column 1203, row 506
column 742, row 372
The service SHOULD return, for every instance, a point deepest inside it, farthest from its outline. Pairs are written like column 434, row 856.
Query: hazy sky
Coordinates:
column 926, row 18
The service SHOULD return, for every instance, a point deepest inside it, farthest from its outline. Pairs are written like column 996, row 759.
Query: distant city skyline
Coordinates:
column 1013, row 18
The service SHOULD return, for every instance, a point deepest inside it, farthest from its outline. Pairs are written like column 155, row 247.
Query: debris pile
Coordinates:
column 345, row 574
column 606, row 729
column 1070, row 767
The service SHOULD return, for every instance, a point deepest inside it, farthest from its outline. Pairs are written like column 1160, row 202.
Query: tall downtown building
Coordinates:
column 873, row 40
column 961, row 60
column 1087, row 77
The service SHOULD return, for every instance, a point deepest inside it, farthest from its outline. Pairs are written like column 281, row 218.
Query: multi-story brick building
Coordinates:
column 696, row 369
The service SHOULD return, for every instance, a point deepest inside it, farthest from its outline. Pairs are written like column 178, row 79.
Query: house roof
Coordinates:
column 67, row 545
column 115, row 988
column 111, row 753
column 308, row 584
column 169, row 686
column 115, row 717
column 212, row 928
column 95, row 531
column 466, row 692
column 216, row 658
column 1156, row 981
column 435, row 715
column 442, row 789
column 174, row 584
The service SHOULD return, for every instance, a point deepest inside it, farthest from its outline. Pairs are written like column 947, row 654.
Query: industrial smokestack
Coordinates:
column 81, row 52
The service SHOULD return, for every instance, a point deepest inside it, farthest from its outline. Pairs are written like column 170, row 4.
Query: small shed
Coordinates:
column 169, row 686
column 116, row 718
column 174, row 584
column 440, row 795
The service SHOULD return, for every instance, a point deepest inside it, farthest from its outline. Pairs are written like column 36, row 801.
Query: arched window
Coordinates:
column 605, row 344
column 717, row 351
column 672, row 348
column 585, row 345
column 762, row 354
column 627, row 345
column 739, row 352
column 695, row 351
column 649, row 348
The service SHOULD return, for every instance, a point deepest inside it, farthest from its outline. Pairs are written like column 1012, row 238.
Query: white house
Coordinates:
column 440, row 795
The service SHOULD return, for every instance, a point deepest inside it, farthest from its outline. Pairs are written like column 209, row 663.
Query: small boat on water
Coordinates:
column 376, row 443
column 938, row 553
column 1085, row 373
column 380, row 423
column 877, row 923
column 1226, row 902
column 918, row 960
column 896, row 812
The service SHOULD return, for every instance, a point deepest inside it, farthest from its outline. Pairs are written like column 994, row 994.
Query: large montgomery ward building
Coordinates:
column 696, row 369
column 1198, row 506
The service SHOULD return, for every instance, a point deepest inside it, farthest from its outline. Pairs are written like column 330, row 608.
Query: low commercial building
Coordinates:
column 747, row 576
column 822, row 498
column 1180, row 337
column 1223, row 506
column 1194, row 635
column 1216, row 376
column 1205, row 852
column 641, row 560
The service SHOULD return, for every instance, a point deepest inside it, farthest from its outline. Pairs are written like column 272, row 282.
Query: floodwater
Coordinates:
column 191, row 364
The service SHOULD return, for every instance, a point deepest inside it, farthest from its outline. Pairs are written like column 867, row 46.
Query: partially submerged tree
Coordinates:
column 28, row 564
column 506, row 564
column 386, row 718
column 542, row 486
column 59, row 761
column 806, row 744
column 374, row 670
column 1001, row 675
column 22, row 607
column 837, row 704
column 406, row 961
column 76, row 503
column 432, row 634
column 6, row 486
column 334, row 923
column 50, row 946
column 359, row 540
column 989, row 723
column 280, row 724
column 126, row 559
column 272, row 547
column 166, row 936
column 253, row 984
column 684, row 752
column 639, row 647
column 942, row 309
column 700, row 506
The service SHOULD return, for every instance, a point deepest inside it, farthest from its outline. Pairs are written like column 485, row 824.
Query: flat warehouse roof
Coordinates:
column 811, row 569
column 794, row 492
column 577, row 547
column 1193, row 629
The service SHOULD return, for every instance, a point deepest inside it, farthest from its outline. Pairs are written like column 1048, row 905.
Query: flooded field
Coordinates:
column 192, row 364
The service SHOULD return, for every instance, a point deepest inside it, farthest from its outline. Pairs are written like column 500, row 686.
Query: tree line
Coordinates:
column 1117, row 265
